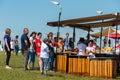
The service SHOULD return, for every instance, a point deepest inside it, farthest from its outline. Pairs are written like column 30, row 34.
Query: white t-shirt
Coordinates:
column 12, row 44
column 31, row 39
column 81, row 47
column 44, row 51
column 91, row 49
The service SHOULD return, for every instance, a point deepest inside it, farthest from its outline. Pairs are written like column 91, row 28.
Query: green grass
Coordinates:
column 18, row 73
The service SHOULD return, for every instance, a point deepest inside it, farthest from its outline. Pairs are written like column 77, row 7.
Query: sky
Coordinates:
column 34, row 14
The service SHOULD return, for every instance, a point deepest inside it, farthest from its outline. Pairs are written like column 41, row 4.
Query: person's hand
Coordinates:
column 8, row 49
column 28, row 49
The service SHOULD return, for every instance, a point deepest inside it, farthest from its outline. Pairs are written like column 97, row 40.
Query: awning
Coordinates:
column 104, row 32
column 89, row 22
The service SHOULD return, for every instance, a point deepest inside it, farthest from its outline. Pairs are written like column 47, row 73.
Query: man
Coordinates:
column 25, row 46
column 51, row 54
column 66, row 42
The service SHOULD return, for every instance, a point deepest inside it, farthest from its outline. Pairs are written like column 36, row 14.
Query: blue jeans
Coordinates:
column 45, row 62
column 16, row 50
column 51, row 60
column 32, row 57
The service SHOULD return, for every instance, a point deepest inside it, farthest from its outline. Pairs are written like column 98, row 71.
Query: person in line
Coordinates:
column 71, row 44
column 60, row 45
column 66, row 42
column 55, row 44
column 90, row 49
column 32, row 50
column 81, row 46
column 7, row 40
column 12, row 45
column 16, row 45
column 38, row 43
column 44, row 56
column 25, row 47
column 52, row 54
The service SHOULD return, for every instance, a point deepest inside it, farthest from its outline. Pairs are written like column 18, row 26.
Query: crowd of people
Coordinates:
column 45, row 49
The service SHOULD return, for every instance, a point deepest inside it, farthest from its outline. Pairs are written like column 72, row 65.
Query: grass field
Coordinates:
column 18, row 73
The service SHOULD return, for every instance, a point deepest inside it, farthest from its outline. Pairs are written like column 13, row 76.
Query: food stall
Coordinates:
column 104, row 65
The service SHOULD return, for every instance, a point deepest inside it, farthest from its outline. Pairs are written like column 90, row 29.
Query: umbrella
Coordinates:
column 104, row 32
column 113, row 35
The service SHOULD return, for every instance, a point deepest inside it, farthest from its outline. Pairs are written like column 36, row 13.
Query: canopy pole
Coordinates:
column 74, row 36
column 59, row 24
column 89, row 33
column 108, row 37
column 101, row 39
column 117, row 15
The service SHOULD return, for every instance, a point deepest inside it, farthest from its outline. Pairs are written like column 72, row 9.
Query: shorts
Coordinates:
column 45, row 63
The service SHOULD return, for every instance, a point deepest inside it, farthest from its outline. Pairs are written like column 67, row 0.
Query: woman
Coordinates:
column 7, row 40
column 71, row 44
column 90, row 49
column 32, row 50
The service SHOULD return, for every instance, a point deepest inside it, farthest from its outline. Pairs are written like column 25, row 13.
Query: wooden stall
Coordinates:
column 78, row 65
column 103, row 67
column 61, row 62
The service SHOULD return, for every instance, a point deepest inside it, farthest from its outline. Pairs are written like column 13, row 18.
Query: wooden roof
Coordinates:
column 89, row 22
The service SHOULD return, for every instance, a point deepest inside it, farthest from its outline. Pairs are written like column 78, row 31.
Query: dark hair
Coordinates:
column 39, row 34
column 33, row 33
column 55, row 39
column 16, row 36
column 82, row 40
column 70, row 40
column 91, row 41
column 50, row 33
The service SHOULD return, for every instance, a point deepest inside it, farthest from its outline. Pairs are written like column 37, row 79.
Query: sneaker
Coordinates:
column 8, row 67
column 46, row 75
column 28, row 67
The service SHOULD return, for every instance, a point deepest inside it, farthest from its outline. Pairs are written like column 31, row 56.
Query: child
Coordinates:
column 44, row 56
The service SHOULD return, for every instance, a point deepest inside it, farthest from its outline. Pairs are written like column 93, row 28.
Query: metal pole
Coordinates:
column 101, row 39
column 59, row 24
column 89, row 33
column 116, row 30
column 74, row 34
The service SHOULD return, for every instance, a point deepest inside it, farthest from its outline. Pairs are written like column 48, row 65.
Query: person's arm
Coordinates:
column 51, row 45
column 26, row 42
column 38, row 43
column 87, row 51
column 6, row 43
column 94, row 51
